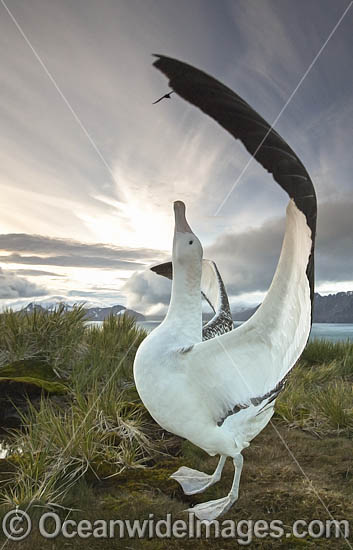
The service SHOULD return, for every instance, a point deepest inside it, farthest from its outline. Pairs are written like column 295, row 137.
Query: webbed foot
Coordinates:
column 213, row 508
column 193, row 481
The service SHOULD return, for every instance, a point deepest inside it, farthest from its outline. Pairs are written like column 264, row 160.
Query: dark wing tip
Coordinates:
column 237, row 117
column 259, row 138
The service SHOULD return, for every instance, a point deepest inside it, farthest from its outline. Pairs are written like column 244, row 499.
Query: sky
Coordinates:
column 90, row 168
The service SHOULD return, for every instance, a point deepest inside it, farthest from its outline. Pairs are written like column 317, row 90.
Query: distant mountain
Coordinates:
column 333, row 308
column 32, row 307
column 244, row 314
column 135, row 314
column 45, row 306
column 101, row 313
column 92, row 313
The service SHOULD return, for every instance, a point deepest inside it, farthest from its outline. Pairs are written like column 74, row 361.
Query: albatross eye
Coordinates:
column 190, row 242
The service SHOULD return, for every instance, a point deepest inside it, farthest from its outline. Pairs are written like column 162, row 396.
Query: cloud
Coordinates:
column 60, row 178
column 36, row 273
column 157, row 152
column 247, row 260
column 71, row 261
column 12, row 286
column 104, row 297
column 54, row 183
column 70, row 253
column 147, row 293
column 334, row 254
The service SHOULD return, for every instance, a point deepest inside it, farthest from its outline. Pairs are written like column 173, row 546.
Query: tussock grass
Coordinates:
column 87, row 447
column 57, row 336
column 335, row 403
column 319, row 392
column 59, row 447
column 110, row 350
column 320, row 352
column 97, row 429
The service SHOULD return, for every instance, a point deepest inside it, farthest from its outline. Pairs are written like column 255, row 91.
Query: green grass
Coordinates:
column 318, row 395
column 96, row 428
column 322, row 352
column 56, row 336
column 85, row 446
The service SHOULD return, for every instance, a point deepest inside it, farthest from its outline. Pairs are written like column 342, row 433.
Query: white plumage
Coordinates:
column 219, row 393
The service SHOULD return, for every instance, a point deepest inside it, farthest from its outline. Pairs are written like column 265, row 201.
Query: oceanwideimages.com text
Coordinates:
column 17, row 525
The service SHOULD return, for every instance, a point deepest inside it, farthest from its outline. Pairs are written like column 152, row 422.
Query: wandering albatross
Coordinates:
column 220, row 393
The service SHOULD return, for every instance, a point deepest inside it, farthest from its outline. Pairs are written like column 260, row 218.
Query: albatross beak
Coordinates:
column 181, row 225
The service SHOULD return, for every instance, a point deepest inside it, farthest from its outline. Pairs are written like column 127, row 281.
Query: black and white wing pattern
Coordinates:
column 244, row 123
column 214, row 292
column 213, row 289
column 252, row 361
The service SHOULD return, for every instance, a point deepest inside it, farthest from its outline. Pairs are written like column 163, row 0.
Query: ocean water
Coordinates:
column 322, row 331
column 332, row 331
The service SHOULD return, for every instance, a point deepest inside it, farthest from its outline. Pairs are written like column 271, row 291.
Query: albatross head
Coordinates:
column 187, row 249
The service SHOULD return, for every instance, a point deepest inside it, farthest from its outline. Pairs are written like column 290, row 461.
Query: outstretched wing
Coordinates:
column 252, row 361
column 244, row 123
column 213, row 290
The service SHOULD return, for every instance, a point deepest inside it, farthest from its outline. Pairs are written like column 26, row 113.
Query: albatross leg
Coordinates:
column 193, row 481
column 213, row 508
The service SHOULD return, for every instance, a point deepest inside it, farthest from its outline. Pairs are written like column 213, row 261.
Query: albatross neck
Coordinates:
column 185, row 308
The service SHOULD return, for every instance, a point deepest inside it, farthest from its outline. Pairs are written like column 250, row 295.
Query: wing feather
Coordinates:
column 244, row 123
column 252, row 361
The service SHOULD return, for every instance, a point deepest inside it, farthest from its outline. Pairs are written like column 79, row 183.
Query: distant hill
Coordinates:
column 244, row 314
column 135, row 314
column 333, row 308
column 93, row 313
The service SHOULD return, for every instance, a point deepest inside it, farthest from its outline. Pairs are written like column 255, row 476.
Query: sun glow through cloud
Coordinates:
column 54, row 184
column 137, row 223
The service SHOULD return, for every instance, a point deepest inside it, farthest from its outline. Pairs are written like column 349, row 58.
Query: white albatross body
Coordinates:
column 187, row 391
column 190, row 386
column 220, row 393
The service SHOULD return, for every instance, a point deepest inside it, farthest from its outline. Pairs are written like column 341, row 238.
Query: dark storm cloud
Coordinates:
column 12, row 286
column 248, row 260
column 334, row 255
column 70, row 253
